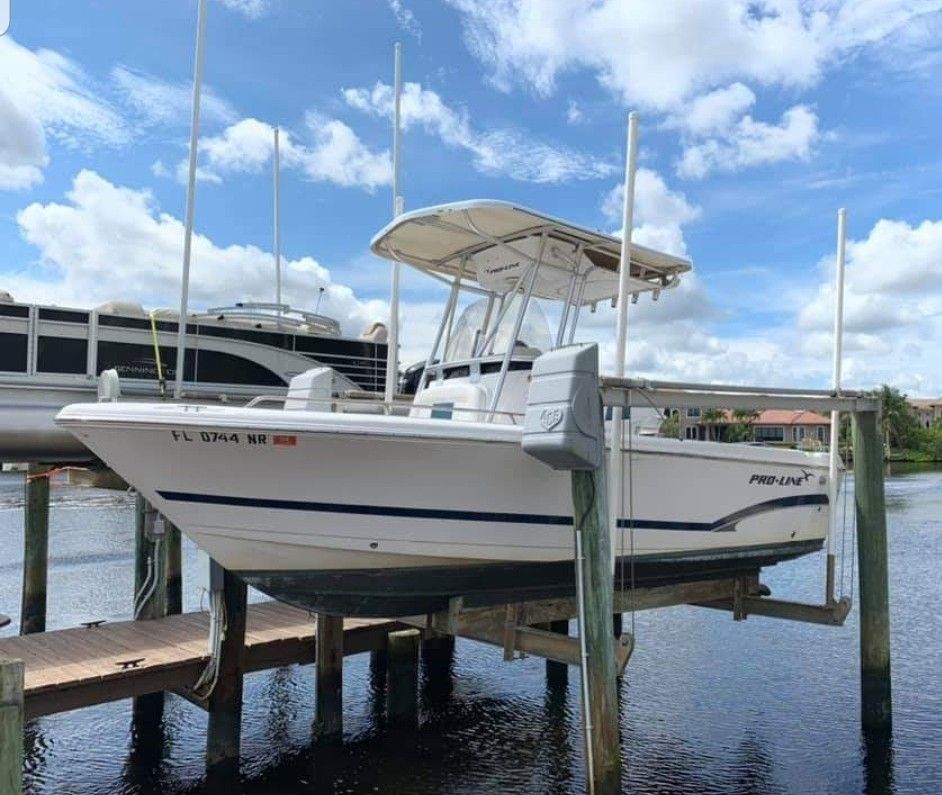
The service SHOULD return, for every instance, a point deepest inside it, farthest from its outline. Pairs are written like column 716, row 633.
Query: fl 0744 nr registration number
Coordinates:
column 227, row 437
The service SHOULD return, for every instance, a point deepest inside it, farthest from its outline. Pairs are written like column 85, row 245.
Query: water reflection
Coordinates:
column 878, row 761
column 145, row 756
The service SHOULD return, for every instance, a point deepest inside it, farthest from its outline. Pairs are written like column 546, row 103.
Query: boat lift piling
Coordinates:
column 875, row 681
column 224, row 705
column 402, row 676
column 328, row 701
column 594, row 588
column 174, row 563
column 11, row 726
column 35, row 550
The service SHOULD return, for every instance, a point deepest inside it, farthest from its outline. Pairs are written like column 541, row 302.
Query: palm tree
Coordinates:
column 711, row 418
column 743, row 431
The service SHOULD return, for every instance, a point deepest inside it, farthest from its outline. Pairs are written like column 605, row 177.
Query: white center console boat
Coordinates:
column 392, row 513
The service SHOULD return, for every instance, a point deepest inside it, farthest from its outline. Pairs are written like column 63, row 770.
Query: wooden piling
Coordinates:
column 150, row 564
column 438, row 652
column 35, row 550
column 11, row 726
column 557, row 673
column 618, row 624
column 438, row 658
column 402, row 676
column 150, row 602
column 174, row 571
column 328, row 706
column 875, row 684
column 590, row 504
column 224, row 730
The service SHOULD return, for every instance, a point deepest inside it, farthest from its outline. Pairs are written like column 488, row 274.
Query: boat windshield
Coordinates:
column 468, row 332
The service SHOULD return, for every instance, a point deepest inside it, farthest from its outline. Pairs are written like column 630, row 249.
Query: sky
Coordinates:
column 758, row 120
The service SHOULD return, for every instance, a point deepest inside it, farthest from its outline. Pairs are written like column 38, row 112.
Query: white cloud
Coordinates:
column 160, row 102
column 330, row 152
column 22, row 147
column 44, row 96
column 159, row 169
column 659, row 215
column 503, row 151
column 405, row 18
column 253, row 9
column 245, row 146
column 660, row 54
column 107, row 242
column 337, row 155
column 574, row 114
column 749, row 142
column 715, row 112
column 893, row 279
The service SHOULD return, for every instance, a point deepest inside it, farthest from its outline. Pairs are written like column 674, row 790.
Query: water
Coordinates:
column 707, row 705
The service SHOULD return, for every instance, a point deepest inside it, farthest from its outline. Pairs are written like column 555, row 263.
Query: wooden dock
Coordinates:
column 71, row 668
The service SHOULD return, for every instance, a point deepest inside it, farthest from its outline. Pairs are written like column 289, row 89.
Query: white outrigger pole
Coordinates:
column 276, row 189
column 392, row 350
column 616, row 459
column 190, row 198
column 835, row 415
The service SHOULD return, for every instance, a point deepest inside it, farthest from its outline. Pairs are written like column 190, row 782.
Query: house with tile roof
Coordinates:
column 772, row 426
column 928, row 410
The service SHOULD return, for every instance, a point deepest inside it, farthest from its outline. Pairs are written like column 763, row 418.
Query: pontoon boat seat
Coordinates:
column 375, row 332
column 167, row 314
column 121, row 308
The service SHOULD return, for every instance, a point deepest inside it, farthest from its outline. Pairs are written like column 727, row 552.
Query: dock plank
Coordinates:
column 71, row 668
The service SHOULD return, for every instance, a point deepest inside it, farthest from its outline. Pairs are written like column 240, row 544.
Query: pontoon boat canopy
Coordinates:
column 497, row 242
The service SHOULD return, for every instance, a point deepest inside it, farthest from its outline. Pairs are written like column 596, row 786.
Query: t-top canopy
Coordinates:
column 495, row 243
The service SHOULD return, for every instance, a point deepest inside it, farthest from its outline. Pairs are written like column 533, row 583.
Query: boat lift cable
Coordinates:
column 150, row 580
column 218, row 625
column 631, row 505
column 843, row 540
column 848, row 517
column 161, row 380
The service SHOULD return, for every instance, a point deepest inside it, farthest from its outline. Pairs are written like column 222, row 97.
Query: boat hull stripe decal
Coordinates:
column 720, row 525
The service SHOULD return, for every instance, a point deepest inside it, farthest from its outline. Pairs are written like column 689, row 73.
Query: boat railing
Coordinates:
column 394, row 407
column 279, row 314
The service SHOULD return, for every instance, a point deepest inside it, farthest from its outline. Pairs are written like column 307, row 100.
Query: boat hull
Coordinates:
column 380, row 515
column 390, row 592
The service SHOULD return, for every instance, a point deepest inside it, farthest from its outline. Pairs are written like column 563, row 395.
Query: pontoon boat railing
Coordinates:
column 283, row 314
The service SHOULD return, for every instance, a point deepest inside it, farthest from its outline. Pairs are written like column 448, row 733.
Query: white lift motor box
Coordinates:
column 563, row 426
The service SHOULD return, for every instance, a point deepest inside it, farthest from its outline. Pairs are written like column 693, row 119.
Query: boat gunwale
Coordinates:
column 145, row 416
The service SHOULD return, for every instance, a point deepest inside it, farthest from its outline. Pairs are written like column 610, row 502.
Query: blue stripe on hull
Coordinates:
column 720, row 525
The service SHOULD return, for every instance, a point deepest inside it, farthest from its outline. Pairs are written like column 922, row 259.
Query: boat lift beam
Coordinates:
column 627, row 392
column 515, row 626
column 832, row 614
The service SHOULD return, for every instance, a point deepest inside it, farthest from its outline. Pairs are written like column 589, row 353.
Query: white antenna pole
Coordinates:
column 833, row 456
column 190, row 197
column 392, row 352
column 616, row 459
column 276, row 165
